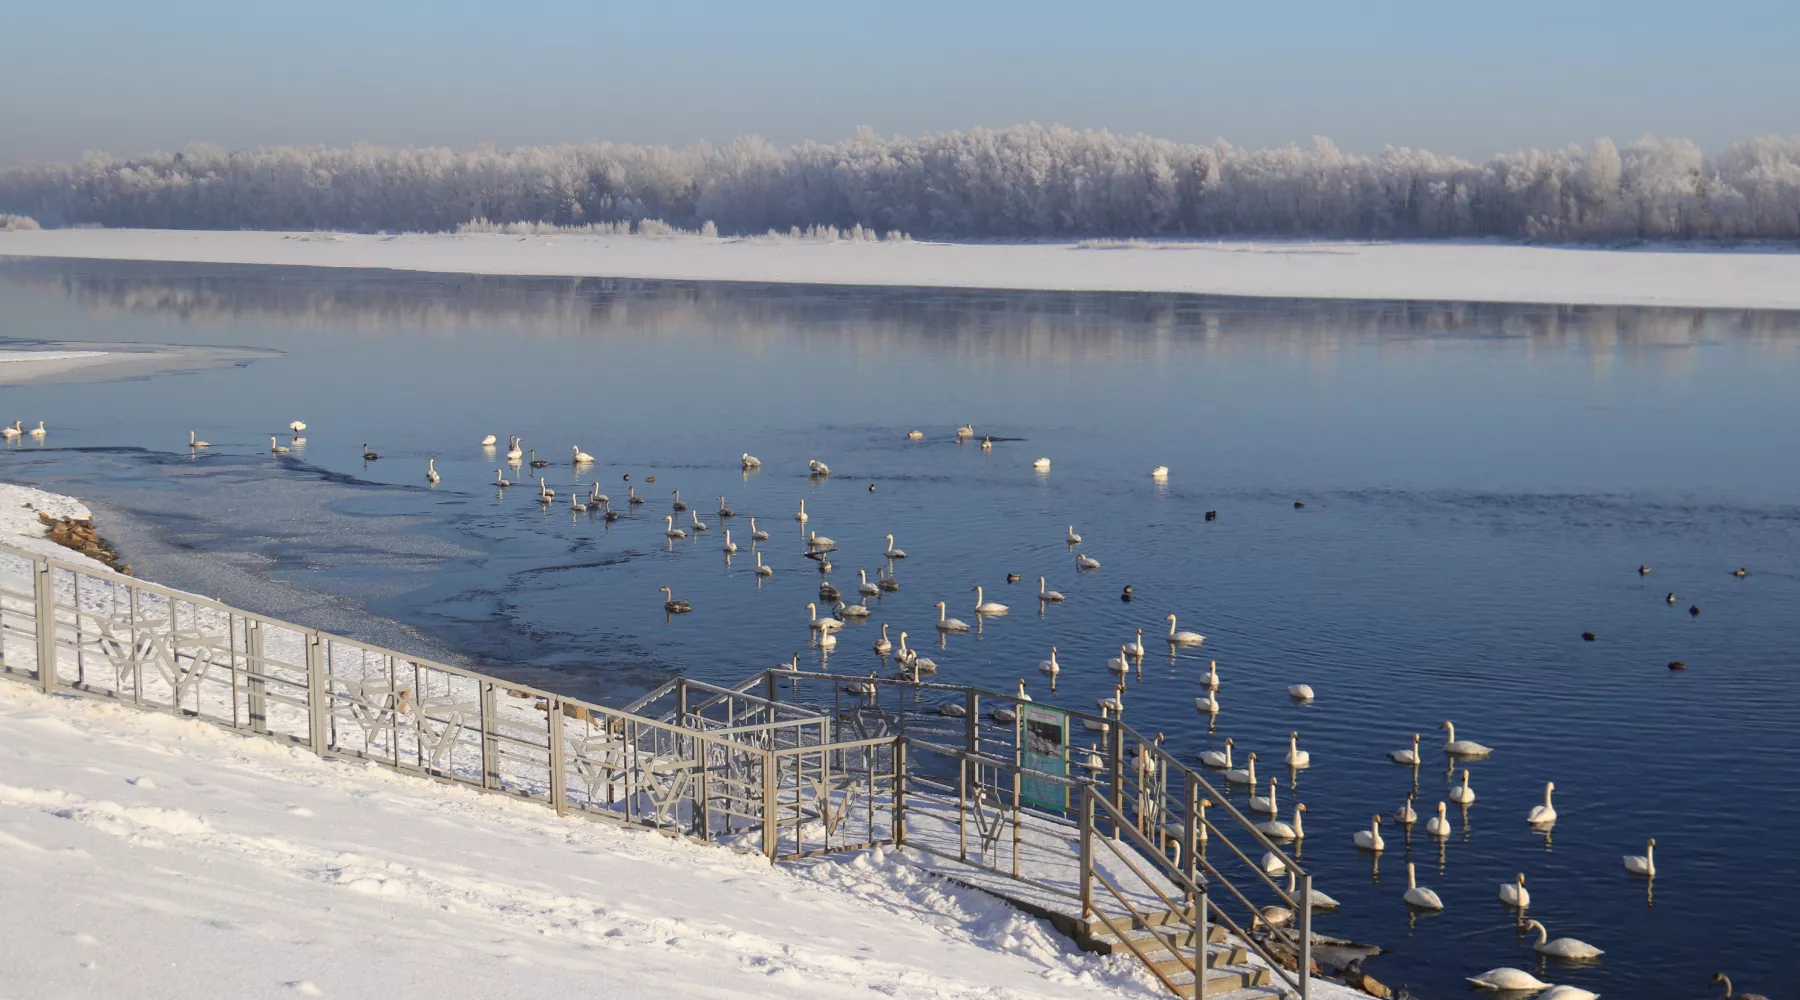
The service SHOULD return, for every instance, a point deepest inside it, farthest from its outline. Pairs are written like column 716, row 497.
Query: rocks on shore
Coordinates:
column 81, row 537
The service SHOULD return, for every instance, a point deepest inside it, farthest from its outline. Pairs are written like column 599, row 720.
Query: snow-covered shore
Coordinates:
column 1475, row 272
column 21, row 528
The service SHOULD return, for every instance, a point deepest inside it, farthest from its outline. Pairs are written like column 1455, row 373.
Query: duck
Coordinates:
column 762, row 570
column 915, row 435
column 1740, row 573
column 1297, row 758
column 1050, row 667
column 1643, row 864
column 725, row 511
column 1300, row 692
column 1265, row 803
column 965, row 432
column 757, row 534
column 822, row 624
column 538, row 463
column 882, row 646
column 1670, row 599
column 1408, row 757
column 1085, row 561
column 987, row 607
column 1515, row 894
column 1506, row 978
column 580, row 457
column 1160, row 472
column 801, row 516
column 1370, row 839
column 817, row 468
column 1643, row 571
column 1462, row 794
column 1245, row 775
column 1211, row 680
column 1694, row 610
column 1217, row 758
column 1120, row 664
column 729, row 546
column 1545, row 814
column 1406, row 815
column 368, row 456
column 698, row 525
column 673, row 606
column 947, row 624
column 1072, row 538
column 1418, row 896
column 489, row 441
column 277, row 449
column 1041, row 465
column 1461, row 748
column 1125, row 595
column 671, row 530
column 192, row 443
column 893, row 553
column 678, row 505
column 1275, row 829
column 1439, row 826
column 1182, row 638
column 1047, row 595
column 749, row 461
column 1561, row 947
column 1013, row 578
column 1721, row 978
column 500, row 479
column 1588, row 637
column 431, row 472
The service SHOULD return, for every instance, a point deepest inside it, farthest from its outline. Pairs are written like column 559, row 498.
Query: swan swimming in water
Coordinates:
column 191, row 442
column 1085, row 561
column 987, row 607
column 1300, row 692
column 730, row 546
column 1405, row 815
column 1275, row 829
column 882, row 645
column 1050, row 666
column 581, row 457
column 1208, row 703
column 762, row 570
column 1418, row 896
column 1136, row 646
column 822, row 624
column 1120, row 664
column 1211, row 680
column 1515, row 894
column 1545, row 814
column 893, row 553
column 1217, row 758
column 279, row 449
column 965, row 432
column 1462, row 794
column 864, row 586
column 1438, row 826
column 1370, row 839
column 1042, row 465
column 1720, row 977
column 749, row 461
column 1643, row 864
column 500, row 479
column 757, row 534
column 948, row 624
column 1506, row 978
column 670, row 529
column 488, row 442
column 1044, row 594
column 1407, row 756
column 673, row 606
column 1297, row 758
column 1073, row 538
column 1160, row 472
column 1461, row 748
column 801, row 516
column 1245, row 775
column 431, row 472
column 1183, row 638
column 1265, row 803
column 1561, row 947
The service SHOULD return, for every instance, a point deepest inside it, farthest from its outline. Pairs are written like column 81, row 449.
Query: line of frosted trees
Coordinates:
column 1021, row 182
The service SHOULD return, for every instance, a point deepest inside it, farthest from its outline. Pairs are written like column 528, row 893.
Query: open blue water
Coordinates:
column 1480, row 483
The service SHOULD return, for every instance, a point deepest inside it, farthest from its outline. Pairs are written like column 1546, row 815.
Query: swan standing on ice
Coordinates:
column 1217, row 758
column 1461, row 748
column 431, row 472
column 1370, row 839
column 1052, row 596
column 1643, row 864
column 893, row 553
column 947, row 624
column 1561, row 947
column 1545, row 814
column 1462, row 794
column 1410, row 757
column 1508, row 979
column 987, row 607
column 1183, row 638
column 191, row 442
column 1297, row 758
column 1515, row 894
column 762, row 570
column 757, row 534
column 965, row 432
column 1417, row 896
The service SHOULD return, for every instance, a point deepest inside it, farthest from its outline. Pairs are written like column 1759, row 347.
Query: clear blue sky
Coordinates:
column 125, row 76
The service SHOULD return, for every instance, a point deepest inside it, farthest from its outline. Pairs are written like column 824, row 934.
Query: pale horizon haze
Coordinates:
column 127, row 79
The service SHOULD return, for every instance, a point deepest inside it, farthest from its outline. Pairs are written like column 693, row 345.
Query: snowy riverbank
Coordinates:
column 1476, row 272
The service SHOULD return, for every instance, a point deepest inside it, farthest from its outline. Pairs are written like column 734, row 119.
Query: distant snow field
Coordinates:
column 1473, row 272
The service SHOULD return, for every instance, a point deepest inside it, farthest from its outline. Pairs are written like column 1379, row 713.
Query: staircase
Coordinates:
column 1158, row 938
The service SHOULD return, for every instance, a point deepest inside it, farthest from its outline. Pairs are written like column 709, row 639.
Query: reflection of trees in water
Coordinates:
column 1051, row 328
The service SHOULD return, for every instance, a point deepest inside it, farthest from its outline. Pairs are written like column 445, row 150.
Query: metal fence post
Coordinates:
column 681, row 710
column 1190, row 831
column 703, row 799
column 255, row 686
column 559, row 779
column 318, row 695
column 1116, row 750
column 771, row 817
column 971, row 721
column 1087, row 849
column 1305, row 937
column 900, row 793
column 1202, row 939
column 490, row 748
column 43, row 589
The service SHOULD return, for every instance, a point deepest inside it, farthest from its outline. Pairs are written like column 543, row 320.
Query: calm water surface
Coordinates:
column 1480, row 485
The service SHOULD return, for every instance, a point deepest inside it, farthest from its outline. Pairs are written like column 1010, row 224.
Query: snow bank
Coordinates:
column 1474, row 272
column 20, row 527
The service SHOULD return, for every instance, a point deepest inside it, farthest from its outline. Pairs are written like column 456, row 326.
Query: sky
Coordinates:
column 125, row 77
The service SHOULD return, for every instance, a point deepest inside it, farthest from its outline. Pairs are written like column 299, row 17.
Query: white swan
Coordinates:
column 1515, row 894
column 1265, row 803
column 893, row 553
column 882, row 645
column 1073, row 538
column 801, row 516
column 431, row 472
column 671, row 530
column 1275, row 829
column 1120, row 664
column 1183, row 638
column 1245, row 775
column 297, row 426
column 488, row 442
column 852, row 610
column 730, row 546
column 1272, row 864
column 1439, row 826
column 947, row 624
column 1643, row 864
column 749, row 461
column 581, row 457
column 965, row 432
column 1410, row 757
column 1300, row 692
column 904, row 655
column 1506, row 978
column 1462, row 794
column 757, row 534
column 1461, row 748
column 1208, row 703
column 1050, row 667
column 1217, row 758
column 516, row 450
column 988, row 607
column 191, row 442
column 1545, row 814
column 922, row 664
column 276, row 449
column 1296, row 757
column 1577, row 993
column 1561, row 947
column 916, row 436
column 954, row 709
column 1048, row 595
column 1160, row 472
column 826, row 640
column 1417, row 895
column 699, row 525
column 817, row 468
column 762, row 570
column 17, row 429
column 1720, row 977
column 822, row 624
column 1022, row 695
column 1115, row 704
column 1370, row 839
column 1041, row 464
column 816, row 542
column 1136, row 646
column 1211, row 680
column 500, row 479
column 863, row 585
column 1085, row 561
column 1406, row 815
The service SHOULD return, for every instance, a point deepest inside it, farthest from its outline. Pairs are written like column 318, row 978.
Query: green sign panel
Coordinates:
column 1043, row 738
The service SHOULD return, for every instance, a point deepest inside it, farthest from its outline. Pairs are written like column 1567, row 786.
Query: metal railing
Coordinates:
column 786, row 764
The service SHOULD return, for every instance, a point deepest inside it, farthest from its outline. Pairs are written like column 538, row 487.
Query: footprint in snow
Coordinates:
column 142, row 781
column 304, row 987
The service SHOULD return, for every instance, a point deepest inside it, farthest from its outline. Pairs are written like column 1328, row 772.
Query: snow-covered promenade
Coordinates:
column 1474, row 272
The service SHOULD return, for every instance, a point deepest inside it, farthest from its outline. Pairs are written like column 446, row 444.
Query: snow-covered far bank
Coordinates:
column 1473, row 272
column 116, row 361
